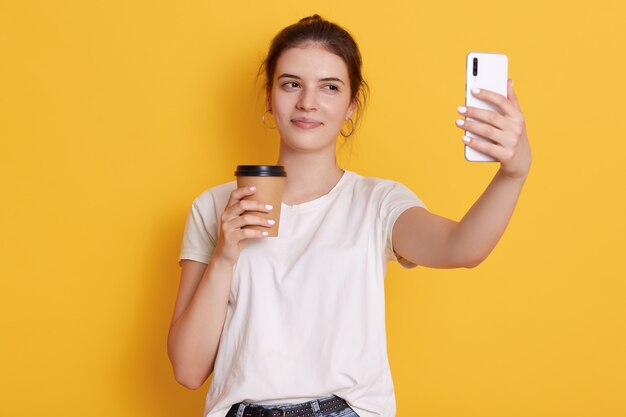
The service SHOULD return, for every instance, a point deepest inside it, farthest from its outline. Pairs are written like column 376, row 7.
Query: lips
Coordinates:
column 304, row 123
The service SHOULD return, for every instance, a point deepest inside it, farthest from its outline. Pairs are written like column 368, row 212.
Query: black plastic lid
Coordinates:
column 260, row 171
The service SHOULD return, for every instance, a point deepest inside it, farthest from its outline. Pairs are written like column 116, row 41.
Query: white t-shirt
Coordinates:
column 306, row 311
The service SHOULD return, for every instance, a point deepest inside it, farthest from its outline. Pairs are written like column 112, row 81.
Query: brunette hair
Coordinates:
column 330, row 36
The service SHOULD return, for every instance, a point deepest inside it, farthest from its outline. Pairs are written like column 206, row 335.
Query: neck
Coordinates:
column 309, row 176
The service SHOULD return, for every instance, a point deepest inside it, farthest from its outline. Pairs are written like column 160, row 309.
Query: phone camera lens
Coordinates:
column 475, row 67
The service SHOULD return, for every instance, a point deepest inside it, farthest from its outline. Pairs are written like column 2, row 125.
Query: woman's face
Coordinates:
column 310, row 97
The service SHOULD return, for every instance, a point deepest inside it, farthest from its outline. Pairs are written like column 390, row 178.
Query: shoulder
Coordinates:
column 387, row 194
column 216, row 196
column 376, row 185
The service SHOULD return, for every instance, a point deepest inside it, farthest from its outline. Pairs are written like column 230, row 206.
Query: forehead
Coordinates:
column 311, row 61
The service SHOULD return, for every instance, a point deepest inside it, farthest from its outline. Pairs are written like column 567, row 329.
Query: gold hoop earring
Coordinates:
column 263, row 120
column 351, row 130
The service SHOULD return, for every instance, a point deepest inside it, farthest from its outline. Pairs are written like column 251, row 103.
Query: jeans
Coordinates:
column 344, row 412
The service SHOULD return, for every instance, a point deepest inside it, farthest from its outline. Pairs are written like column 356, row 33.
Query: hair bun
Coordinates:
column 312, row 19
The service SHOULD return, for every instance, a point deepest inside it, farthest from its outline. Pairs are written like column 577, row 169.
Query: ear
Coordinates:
column 351, row 107
column 268, row 98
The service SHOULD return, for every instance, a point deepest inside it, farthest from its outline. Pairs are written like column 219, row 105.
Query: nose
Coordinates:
column 307, row 100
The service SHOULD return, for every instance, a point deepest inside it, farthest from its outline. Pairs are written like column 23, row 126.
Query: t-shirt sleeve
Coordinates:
column 397, row 199
column 200, row 236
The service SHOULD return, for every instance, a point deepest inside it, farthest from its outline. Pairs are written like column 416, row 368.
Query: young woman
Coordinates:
column 295, row 325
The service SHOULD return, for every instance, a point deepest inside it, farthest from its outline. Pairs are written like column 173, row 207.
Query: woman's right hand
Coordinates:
column 232, row 236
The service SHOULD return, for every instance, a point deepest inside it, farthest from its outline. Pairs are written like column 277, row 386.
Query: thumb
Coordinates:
column 511, row 93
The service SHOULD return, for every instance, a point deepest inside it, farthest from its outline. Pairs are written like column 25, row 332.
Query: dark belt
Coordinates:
column 303, row 410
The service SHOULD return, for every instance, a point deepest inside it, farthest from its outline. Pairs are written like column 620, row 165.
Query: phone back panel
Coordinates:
column 492, row 74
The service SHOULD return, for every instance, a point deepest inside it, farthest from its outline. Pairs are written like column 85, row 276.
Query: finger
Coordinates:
column 246, row 219
column 493, row 150
column 485, row 130
column 511, row 94
column 498, row 100
column 488, row 116
column 251, row 220
column 252, row 205
column 242, row 206
column 240, row 193
column 243, row 234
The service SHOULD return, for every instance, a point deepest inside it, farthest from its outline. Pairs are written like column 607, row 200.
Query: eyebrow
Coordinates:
column 285, row 75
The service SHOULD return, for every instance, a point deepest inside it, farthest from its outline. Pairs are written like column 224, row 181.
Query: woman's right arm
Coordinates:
column 202, row 300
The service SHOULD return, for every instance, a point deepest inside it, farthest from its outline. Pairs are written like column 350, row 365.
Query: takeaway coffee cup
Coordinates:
column 270, row 183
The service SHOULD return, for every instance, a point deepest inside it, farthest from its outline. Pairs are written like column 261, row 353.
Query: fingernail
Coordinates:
column 475, row 90
column 269, row 206
column 266, row 233
column 466, row 139
column 462, row 109
column 252, row 188
column 460, row 122
column 270, row 221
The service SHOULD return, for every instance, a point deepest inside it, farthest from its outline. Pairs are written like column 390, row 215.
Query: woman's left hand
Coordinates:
column 506, row 129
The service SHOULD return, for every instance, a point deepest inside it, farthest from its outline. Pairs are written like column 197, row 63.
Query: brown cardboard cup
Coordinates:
column 269, row 181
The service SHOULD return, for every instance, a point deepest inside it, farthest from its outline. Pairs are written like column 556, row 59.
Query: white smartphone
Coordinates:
column 488, row 71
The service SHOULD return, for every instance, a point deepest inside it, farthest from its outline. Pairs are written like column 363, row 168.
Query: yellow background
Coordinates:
column 115, row 115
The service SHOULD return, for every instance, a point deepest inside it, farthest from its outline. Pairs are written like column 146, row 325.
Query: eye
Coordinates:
column 331, row 87
column 290, row 85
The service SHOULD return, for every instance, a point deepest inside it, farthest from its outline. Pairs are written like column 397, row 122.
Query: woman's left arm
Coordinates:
column 431, row 240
